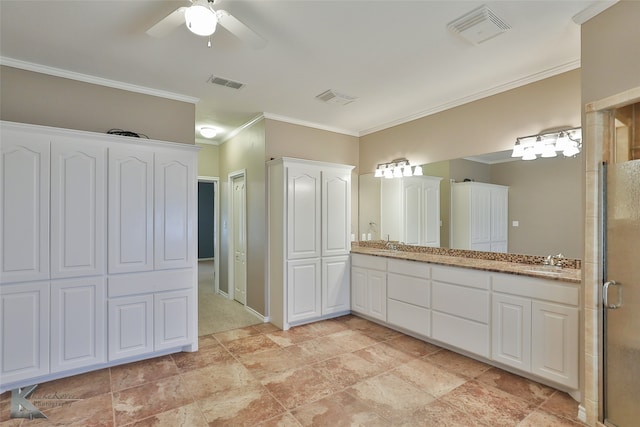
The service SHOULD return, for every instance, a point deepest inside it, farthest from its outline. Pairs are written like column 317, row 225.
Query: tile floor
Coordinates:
column 341, row 372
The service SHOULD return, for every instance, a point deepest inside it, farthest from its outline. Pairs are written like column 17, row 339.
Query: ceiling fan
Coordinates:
column 201, row 19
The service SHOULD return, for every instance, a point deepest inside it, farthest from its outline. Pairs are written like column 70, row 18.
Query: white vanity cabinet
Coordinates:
column 369, row 286
column 409, row 296
column 410, row 210
column 78, row 211
column 535, row 327
column 460, row 308
column 309, row 207
column 479, row 216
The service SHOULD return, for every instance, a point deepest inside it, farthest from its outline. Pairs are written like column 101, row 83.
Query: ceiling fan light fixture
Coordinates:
column 200, row 19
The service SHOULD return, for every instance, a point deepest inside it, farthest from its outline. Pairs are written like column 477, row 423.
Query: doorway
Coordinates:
column 238, row 237
column 208, row 240
column 621, row 291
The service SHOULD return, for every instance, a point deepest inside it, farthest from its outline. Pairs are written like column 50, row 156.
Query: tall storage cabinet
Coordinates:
column 410, row 210
column 78, row 212
column 309, row 207
column 479, row 217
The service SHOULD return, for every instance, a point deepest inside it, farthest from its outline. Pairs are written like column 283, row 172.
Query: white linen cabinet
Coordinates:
column 479, row 216
column 309, row 207
column 60, row 270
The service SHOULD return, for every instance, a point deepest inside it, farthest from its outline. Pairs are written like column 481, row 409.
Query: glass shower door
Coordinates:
column 621, row 292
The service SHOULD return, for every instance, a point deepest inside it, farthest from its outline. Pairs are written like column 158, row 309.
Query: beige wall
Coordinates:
column 487, row 125
column 41, row 99
column 545, row 197
column 246, row 151
column 208, row 160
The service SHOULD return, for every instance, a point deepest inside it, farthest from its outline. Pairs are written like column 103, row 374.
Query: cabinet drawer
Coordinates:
column 369, row 261
column 461, row 333
column 410, row 317
column 409, row 268
column 154, row 281
column 408, row 289
column 532, row 287
column 461, row 276
column 472, row 304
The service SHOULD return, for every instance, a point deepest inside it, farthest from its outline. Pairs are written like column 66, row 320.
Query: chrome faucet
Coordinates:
column 554, row 260
column 390, row 245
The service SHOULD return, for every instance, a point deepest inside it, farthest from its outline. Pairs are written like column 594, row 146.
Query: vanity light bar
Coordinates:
column 567, row 141
column 397, row 168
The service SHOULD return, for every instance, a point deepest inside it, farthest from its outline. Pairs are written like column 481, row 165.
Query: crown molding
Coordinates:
column 310, row 124
column 58, row 72
column 477, row 96
column 593, row 10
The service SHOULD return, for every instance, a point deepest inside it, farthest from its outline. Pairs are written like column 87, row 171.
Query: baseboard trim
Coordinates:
column 223, row 293
column 265, row 319
column 582, row 413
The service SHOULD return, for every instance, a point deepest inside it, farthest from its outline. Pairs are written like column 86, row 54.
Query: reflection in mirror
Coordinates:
column 545, row 204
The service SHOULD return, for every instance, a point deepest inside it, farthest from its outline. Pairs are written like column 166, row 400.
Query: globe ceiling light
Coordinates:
column 200, row 19
column 208, row 132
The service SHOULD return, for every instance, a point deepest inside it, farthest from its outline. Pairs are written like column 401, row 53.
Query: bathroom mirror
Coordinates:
column 545, row 202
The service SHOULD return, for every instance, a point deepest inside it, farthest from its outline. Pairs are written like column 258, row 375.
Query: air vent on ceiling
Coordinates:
column 333, row 97
column 479, row 25
column 225, row 82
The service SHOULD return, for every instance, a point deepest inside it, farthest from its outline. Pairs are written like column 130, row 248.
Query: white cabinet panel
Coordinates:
column 511, row 329
column 377, row 294
column 369, row 289
column 336, row 212
column 303, row 213
column 461, row 333
column 130, row 326
column 24, row 344
column 24, row 210
column 359, row 290
column 431, row 214
column 412, row 212
column 469, row 303
column 335, row 285
column 175, row 216
column 408, row 316
column 78, row 327
column 172, row 323
column 412, row 290
column 554, row 345
column 78, row 203
column 130, row 210
column 303, row 292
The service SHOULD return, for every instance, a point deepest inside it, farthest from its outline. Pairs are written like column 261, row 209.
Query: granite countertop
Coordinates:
column 571, row 275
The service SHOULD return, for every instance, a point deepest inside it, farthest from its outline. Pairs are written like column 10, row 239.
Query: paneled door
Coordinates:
column 239, row 222
column 622, row 274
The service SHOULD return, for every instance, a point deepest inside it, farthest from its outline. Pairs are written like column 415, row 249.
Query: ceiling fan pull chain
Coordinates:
column 209, row 43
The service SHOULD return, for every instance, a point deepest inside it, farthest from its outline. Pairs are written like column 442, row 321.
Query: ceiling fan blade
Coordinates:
column 168, row 23
column 240, row 30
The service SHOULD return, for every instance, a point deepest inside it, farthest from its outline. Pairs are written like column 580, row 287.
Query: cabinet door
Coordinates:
column 411, row 211
column 24, row 210
column 303, row 213
column 130, row 210
column 499, row 218
column 430, row 213
column 335, row 285
column 511, row 331
column 377, row 294
column 78, row 203
column 24, row 339
column 336, row 212
column 130, row 326
column 77, row 323
column 303, row 289
column 554, row 345
column 172, row 319
column 480, row 215
column 359, row 290
column 175, row 214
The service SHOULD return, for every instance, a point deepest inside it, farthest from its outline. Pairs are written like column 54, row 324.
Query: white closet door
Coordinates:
column 431, row 213
column 175, row 218
column 78, row 201
column 24, row 210
column 78, row 330
column 336, row 212
column 303, row 212
column 480, row 215
column 130, row 210
column 412, row 218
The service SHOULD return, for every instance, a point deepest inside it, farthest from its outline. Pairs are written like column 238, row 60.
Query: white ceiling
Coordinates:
column 396, row 57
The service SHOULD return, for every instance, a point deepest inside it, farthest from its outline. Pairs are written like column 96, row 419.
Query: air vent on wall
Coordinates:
column 225, row 82
column 333, row 97
column 479, row 25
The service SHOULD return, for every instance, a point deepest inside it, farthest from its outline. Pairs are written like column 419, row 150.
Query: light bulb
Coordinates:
column 518, row 150
column 379, row 172
column 388, row 173
column 397, row 172
column 548, row 151
column 417, row 171
column 200, row 19
column 407, row 170
column 571, row 150
column 529, row 154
